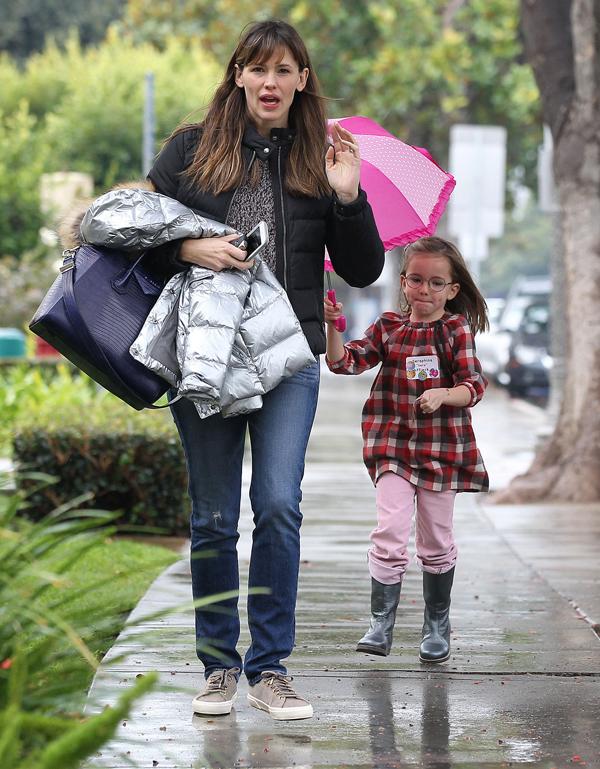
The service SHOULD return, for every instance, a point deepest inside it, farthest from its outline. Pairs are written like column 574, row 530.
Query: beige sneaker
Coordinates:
column 218, row 695
column 274, row 694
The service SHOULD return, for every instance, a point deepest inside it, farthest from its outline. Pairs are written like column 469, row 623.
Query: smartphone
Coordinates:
column 255, row 241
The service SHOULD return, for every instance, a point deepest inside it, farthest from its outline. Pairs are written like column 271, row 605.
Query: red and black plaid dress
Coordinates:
column 436, row 451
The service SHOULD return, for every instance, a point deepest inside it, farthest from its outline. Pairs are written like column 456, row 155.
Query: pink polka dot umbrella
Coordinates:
column 406, row 188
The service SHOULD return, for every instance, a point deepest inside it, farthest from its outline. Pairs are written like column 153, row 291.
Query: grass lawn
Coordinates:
column 113, row 575
column 99, row 590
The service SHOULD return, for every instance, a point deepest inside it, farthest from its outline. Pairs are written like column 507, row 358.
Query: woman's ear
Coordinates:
column 303, row 78
column 238, row 77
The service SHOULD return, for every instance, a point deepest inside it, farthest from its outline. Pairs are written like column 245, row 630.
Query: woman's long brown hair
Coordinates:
column 469, row 301
column 218, row 163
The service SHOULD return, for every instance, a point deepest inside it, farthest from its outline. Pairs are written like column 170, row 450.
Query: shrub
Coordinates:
column 94, row 444
column 23, row 387
column 24, row 281
column 90, row 101
column 33, row 740
column 57, row 604
column 97, row 127
column 44, row 652
column 74, row 109
column 22, row 159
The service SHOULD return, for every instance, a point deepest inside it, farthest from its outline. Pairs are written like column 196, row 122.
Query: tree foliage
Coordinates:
column 336, row 37
column 80, row 109
column 26, row 24
column 90, row 101
column 22, row 159
column 443, row 63
column 415, row 67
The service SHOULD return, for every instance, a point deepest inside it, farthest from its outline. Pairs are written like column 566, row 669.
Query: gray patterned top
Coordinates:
column 250, row 205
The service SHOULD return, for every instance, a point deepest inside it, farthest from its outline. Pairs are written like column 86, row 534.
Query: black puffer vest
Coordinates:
column 304, row 226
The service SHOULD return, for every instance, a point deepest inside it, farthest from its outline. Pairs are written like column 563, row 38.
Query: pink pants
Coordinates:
column 434, row 540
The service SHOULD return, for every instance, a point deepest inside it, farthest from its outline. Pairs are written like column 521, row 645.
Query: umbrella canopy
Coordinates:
column 406, row 188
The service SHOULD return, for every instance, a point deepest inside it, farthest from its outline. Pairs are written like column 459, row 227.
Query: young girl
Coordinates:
column 418, row 441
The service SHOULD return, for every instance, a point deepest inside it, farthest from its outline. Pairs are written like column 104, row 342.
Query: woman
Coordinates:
column 261, row 153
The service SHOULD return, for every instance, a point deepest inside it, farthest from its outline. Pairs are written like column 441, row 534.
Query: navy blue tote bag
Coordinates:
column 93, row 313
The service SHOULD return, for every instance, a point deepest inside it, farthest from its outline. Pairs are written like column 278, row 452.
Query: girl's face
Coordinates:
column 426, row 272
column 270, row 88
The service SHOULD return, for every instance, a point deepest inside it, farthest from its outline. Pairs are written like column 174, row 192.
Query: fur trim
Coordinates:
column 69, row 226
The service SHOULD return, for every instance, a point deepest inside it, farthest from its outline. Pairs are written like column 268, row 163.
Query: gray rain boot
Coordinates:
column 435, row 646
column 384, row 602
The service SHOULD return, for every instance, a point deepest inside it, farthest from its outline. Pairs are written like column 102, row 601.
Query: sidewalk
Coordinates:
column 522, row 685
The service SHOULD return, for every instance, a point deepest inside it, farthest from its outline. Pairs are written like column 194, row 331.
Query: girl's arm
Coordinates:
column 432, row 399
column 467, row 368
column 460, row 395
column 359, row 355
column 335, row 344
column 469, row 382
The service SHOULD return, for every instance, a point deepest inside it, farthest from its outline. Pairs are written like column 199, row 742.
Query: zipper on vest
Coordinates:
column 235, row 192
column 282, row 219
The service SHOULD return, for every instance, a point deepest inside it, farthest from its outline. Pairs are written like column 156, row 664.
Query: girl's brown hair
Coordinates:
column 218, row 163
column 469, row 301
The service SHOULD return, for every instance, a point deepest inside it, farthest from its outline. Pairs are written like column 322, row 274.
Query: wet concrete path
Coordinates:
column 522, row 685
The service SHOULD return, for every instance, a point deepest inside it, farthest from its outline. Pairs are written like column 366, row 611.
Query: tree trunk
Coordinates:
column 450, row 12
column 562, row 44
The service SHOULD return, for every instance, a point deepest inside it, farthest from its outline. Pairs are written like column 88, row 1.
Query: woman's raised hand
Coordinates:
column 342, row 164
column 214, row 253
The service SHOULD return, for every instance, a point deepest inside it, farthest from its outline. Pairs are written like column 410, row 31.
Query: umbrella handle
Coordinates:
column 340, row 323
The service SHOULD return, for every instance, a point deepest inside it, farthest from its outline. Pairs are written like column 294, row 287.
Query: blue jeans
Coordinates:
column 214, row 450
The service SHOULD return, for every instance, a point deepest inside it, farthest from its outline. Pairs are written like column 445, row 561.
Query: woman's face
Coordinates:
column 270, row 88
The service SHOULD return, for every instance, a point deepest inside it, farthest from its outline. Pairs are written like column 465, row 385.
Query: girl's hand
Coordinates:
column 342, row 164
column 431, row 400
column 214, row 253
column 332, row 311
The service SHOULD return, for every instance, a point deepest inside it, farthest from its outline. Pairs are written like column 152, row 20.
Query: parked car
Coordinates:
column 493, row 346
column 495, row 305
column 486, row 342
column 527, row 370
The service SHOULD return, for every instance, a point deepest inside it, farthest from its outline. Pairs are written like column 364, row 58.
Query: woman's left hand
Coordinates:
column 342, row 164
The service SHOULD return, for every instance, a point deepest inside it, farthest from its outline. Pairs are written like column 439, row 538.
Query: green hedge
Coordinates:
column 139, row 473
column 95, row 444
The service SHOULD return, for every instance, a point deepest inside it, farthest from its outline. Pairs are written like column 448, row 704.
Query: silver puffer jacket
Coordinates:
column 137, row 219
column 223, row 339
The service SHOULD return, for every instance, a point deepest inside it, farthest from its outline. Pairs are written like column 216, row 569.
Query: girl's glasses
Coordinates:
column 435, row 284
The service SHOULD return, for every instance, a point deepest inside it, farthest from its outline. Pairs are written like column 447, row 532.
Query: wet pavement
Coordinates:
column 522, row 686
